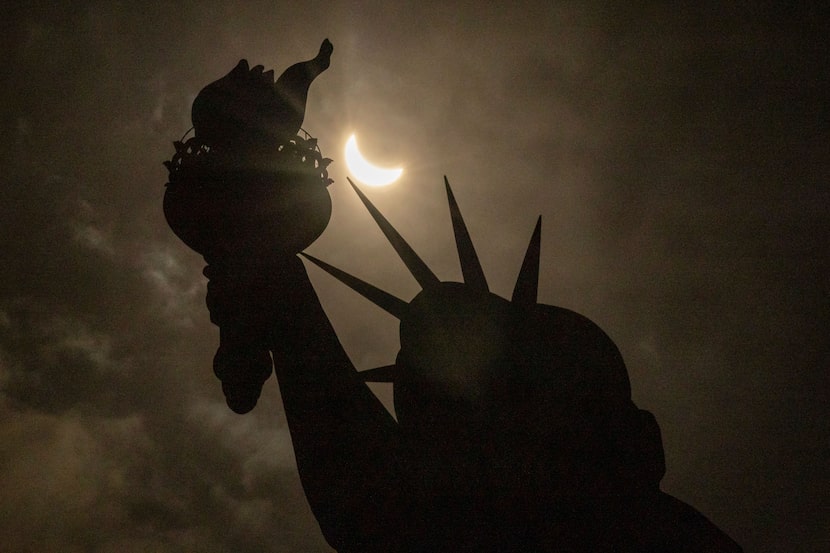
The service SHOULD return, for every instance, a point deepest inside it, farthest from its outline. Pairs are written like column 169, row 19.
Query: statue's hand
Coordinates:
column 251, row 304
column 242, row 362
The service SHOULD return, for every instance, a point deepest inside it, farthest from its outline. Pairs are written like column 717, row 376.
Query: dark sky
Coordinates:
column 678, row 157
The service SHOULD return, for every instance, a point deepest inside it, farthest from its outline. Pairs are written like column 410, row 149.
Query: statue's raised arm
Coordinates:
column 248, row 194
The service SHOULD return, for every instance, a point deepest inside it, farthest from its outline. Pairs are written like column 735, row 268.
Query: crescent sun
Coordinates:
column 366, row 172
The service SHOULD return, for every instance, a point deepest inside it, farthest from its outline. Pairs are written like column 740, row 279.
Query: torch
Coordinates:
column 248, row 193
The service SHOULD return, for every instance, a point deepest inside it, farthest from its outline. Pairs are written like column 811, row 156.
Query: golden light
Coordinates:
column 366, row 172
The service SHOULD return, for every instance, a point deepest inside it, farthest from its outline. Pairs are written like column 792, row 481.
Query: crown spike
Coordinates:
column 425, row 277
column 380, row 374
column 527, row 284
column 470, row 265
column 386, row 301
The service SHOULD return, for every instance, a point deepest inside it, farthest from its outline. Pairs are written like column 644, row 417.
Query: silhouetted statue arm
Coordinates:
column 248, row 194
column 346, row 443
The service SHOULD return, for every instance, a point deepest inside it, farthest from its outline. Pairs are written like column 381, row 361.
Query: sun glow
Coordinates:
column 364, row 171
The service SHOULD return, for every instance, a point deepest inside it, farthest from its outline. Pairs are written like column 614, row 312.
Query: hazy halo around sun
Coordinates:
column 364, row 171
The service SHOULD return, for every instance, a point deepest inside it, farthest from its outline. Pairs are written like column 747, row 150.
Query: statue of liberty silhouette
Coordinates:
column 514, row 428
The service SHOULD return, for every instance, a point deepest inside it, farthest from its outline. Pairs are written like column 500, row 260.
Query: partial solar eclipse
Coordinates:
column 366, row 172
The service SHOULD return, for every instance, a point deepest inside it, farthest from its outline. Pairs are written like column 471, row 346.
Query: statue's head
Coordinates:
column 527, row 389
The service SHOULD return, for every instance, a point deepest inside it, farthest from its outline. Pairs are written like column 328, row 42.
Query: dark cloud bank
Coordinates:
column 679, row 159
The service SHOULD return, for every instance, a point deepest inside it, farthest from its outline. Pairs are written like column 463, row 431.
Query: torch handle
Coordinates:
column 243, row 367
column 239, row 302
